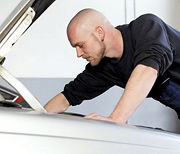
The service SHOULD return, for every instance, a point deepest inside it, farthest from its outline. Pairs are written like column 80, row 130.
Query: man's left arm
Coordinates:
column 137, row 88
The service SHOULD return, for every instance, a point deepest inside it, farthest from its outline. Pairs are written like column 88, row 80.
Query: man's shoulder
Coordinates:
column 141, row 20
column 146, row 20
column 147, row 17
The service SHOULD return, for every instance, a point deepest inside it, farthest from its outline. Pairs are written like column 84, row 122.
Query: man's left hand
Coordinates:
column 99, row 117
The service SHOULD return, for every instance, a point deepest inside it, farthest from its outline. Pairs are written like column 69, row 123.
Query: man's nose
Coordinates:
column 79, row 52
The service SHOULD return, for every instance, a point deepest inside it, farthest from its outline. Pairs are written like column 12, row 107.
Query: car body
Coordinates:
column 27, row 128
column 28, row 131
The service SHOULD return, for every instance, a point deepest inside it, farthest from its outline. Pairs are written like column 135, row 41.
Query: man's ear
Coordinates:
column 100, row 33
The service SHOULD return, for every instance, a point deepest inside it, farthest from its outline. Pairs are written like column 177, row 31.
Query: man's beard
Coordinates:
column 98, row 58
column 100, row 51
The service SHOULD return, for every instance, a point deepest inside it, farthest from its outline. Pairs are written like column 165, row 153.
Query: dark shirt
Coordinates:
column 148, row 41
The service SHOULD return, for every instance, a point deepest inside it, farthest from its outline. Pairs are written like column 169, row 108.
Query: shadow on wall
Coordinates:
column 168, row 10
column 154, row 114
column 173, row 11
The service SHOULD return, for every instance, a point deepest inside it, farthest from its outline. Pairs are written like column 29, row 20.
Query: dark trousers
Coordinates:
column 170, row 96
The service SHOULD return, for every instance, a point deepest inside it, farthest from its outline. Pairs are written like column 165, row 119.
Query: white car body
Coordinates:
column 33, row 130
column 28, row 131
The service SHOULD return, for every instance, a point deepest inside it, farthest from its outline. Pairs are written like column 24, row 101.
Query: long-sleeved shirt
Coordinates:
column 147, row 40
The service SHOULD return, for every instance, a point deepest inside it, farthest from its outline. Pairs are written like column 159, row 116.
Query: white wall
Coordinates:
column 44, row 51
column 168, row 10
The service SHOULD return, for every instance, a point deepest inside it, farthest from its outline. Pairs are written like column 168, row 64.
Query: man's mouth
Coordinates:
column 87, row 58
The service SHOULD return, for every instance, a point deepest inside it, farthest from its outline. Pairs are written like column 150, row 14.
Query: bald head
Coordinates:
column 86, row 21
column 93, row 36
column 89, row 18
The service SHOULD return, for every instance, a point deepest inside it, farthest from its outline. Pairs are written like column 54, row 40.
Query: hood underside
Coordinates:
column 19, row 20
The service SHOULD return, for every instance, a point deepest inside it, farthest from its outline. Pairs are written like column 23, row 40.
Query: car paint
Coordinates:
column 37, row 132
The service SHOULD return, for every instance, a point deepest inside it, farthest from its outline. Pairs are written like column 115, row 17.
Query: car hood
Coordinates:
column 18, row 20
column 29, row 122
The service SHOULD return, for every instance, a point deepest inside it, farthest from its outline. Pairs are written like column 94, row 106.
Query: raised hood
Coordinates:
column 17, row 22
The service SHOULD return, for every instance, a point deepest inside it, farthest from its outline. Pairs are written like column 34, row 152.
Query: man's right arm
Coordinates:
column 57, row 104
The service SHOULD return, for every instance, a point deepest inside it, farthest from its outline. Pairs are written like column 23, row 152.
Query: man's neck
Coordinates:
column 115, row 44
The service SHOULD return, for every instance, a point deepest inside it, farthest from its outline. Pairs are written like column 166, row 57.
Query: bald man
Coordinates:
column 143, row 57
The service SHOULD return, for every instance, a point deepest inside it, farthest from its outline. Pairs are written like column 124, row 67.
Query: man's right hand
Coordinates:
column 57, row 104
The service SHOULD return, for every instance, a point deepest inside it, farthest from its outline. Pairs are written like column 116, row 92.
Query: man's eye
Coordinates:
column 81, row 46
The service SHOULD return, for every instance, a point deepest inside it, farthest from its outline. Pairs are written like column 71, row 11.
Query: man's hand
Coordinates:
column 102, row 118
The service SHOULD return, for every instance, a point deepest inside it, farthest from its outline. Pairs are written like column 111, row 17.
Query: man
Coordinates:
column 143, row 57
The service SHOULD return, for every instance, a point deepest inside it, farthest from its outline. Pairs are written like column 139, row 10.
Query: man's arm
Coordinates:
column 138, row 86
column 57, row 104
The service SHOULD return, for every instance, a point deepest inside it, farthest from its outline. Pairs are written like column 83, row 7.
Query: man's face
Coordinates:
column 88, row 46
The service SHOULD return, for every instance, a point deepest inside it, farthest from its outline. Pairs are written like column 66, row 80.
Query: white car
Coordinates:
column 26, row 128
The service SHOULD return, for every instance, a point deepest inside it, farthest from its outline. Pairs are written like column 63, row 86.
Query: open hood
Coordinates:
column 19, row 19
column 17, row 22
